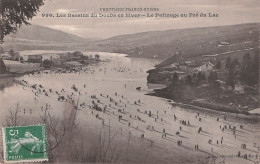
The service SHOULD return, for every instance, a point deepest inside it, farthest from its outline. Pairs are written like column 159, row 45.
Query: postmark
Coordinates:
column 25, row 143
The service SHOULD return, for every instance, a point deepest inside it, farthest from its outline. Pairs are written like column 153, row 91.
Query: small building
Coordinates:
column 171, row 67
column 180, row 74
column 35, row 58
column 221, row 82
column 5, row 57
column 75, row 56
column 205, row 67
column 15, row 56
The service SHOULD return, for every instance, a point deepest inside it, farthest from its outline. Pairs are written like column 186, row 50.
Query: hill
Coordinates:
column 160, row 44
column 45, row 34
column 165, row 44
column 35, row 37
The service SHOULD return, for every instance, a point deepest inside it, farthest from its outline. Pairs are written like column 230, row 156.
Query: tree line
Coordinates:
column 245, row 72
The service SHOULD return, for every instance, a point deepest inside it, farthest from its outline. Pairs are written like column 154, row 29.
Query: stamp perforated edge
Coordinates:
column 22, row 161
column 4, row 147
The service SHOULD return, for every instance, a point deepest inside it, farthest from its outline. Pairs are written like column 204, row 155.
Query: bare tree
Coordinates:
column 54, row 132
column 13, row 118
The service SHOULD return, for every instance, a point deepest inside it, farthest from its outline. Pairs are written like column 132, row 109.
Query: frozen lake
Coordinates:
column 118, row 79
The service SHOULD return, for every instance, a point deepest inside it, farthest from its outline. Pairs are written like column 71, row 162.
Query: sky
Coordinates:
column 229, row 11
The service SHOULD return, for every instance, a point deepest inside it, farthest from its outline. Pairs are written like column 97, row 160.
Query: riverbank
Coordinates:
column 199, row 103
column 17, row 69
column 235, row 117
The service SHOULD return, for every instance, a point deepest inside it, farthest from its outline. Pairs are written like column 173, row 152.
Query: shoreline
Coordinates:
column 254, row 118
column 142, row 57
column 246, row 115
column 19, row 74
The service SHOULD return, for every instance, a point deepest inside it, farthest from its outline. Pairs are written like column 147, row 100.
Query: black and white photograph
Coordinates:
column 130, row 81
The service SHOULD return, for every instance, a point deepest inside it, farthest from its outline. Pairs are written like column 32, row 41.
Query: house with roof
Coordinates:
column 74, row 56
column 171, row 67
column 208, row 66
column 5, row 57
column 35, row 58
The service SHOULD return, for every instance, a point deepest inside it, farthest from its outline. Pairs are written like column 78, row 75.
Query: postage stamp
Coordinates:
column 25, row 144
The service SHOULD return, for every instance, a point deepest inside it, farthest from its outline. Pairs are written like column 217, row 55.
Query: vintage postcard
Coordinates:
column 130, row 81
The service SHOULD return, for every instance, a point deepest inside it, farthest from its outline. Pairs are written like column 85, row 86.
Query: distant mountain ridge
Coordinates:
column 160, row 37
column 160, row 44
column 41, row 33
column 185, row 42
